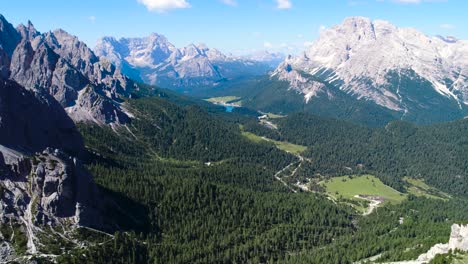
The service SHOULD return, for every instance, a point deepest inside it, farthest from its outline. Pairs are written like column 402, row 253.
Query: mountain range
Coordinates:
column 407, row 73
column 154, row 60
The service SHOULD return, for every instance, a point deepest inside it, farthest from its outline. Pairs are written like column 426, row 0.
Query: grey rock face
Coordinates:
column 38, row 187
column 33, row 68
column 90, row 106
column 4, row 64
column 54, row 186
column 9, row 37
column 6, row 252
column 28, row 31
column 61, row 65
column 31, row 121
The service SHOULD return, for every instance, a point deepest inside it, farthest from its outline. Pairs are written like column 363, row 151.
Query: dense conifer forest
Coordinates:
column 196, row 191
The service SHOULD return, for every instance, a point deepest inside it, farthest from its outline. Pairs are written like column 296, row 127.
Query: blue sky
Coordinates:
column 238, row 26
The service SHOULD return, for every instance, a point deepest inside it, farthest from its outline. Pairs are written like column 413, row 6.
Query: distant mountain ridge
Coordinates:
column 154, row 60
column 414, row 76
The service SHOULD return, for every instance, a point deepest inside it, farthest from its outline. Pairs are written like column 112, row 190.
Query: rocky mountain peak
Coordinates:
column 27, row 31
column 59, row 64
column 366, row 59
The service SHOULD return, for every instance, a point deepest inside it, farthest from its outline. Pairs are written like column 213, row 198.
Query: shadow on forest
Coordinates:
column 125, row 213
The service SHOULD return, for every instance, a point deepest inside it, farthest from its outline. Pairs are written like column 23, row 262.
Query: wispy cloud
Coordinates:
column 229, row 2
column 92, row 19
column 164, row 5
column 283, row 4
column 267, row 45
column 447, row 26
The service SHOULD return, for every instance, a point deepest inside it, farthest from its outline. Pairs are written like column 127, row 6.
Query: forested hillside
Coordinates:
column 437, row 153
column 200, row 192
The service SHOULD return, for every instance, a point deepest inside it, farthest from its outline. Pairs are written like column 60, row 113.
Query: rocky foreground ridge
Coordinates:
column 44, row 191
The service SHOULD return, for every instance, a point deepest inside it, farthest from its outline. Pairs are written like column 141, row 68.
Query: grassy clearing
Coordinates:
column 285, row 146
column 420, row 188
column 347, row 187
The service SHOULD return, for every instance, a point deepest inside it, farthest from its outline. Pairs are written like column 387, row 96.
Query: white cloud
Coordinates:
column 230, row 2
column 267, row 45
column 164, row 5
column 308, row 43
column 447, row 26
column 300, row 36
column 92, row 19
column 283, row 4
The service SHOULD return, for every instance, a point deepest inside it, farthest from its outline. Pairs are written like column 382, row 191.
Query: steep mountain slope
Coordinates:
column 155, row 60
column 419, row 78
column 41, row 186
column 31, row 122
column 59, row 64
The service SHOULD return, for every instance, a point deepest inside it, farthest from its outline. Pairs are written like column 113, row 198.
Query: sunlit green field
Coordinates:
column 286, row 146
column 349, row 186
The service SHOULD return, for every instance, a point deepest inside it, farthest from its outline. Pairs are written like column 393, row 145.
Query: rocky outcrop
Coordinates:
column 47, row 189
column 59, row 64
column 90, row 106
column 41, row 185
column 458, row 241
column 459, row 237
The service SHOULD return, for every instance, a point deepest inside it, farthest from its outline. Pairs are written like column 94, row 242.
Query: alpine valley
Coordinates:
column 354, row 151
